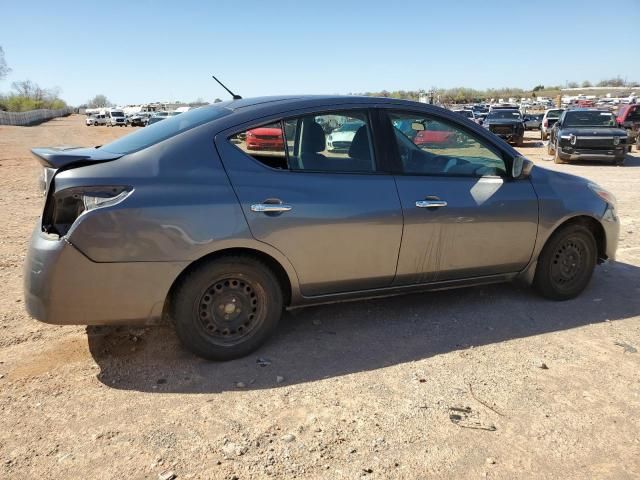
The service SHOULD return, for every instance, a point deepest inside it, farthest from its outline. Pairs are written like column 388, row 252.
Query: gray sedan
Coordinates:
column 223, row 216
column 533, row 122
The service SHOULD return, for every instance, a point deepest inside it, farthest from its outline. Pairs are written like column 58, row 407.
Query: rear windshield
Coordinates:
column 510, row 114
column 166, row 129
column 554, row 113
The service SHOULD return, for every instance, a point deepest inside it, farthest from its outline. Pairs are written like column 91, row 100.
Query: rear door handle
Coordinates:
column 431, row 203
column 270, row 207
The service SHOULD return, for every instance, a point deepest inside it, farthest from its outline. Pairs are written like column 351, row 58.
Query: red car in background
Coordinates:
column 437, row 135
column 265, row 138
column 628, row 117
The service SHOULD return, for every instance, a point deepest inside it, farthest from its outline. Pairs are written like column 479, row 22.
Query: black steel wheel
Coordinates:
column 231, row 309
column 226, row 308
column 566, row 263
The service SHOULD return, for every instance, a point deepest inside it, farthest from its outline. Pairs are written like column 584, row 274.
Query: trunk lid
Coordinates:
column 54, row 159
column 67, row 157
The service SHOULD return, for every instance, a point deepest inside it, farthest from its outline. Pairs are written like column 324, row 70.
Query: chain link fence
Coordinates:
column 33, row 117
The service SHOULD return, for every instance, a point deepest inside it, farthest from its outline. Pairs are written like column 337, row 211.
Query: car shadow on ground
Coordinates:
column 630, row 160
column 532, row 143
column 334, row 340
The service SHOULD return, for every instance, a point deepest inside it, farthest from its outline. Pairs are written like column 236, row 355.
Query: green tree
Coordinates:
column 586, row 84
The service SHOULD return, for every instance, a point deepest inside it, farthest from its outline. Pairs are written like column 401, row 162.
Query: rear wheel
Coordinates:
column 227, row 308
column 542, row 136
column 566, row 263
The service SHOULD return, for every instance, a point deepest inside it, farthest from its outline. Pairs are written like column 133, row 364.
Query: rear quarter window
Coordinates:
column 167, row 128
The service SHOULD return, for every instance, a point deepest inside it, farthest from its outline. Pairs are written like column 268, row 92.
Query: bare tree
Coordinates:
column 4, row 68
column 99, row 101
column 25, row 88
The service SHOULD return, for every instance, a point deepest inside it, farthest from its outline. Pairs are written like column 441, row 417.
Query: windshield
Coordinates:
column 117, row 114
column 504, row 114
column 465, row 113
column 589, row 119
column 166, row 129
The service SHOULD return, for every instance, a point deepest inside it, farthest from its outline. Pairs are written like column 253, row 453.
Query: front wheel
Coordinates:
column 566, row 263
column 556, row 155
column 227, row 308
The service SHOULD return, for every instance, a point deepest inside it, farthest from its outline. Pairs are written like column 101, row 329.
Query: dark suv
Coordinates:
column 587, row 134
column 507, row 123
column 182, row 220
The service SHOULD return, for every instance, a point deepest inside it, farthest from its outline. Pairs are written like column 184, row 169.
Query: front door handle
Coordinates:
column 431, row 203
column 270, row 207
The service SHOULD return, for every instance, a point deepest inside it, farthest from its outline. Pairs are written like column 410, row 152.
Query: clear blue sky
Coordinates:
column 138, row 51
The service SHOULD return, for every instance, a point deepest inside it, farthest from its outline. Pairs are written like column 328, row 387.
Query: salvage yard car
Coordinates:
column 180, row 220
column 533, row 121
column 139, row 119
column 116, row 118
column 628, row 117
column 550, row 117
column 587, row 134
column 95, row 120
column 507, row 124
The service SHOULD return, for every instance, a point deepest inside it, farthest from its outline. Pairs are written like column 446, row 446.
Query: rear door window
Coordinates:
column 319, row 142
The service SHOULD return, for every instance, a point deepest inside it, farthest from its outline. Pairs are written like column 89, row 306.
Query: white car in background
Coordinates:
column 116, row 118
column 95, row 120
column 470, row 114
column 551, row 116
column 340, row 139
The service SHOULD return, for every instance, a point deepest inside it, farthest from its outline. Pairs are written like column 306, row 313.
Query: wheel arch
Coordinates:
column 284, row 276
column 588, row 221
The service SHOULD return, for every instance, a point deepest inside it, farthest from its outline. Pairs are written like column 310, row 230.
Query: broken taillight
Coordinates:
column 63, row 208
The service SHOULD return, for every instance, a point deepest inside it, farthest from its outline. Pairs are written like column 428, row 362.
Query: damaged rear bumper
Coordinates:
column 62, row 286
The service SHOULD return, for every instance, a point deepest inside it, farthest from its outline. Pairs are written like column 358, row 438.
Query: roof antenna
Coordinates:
column 235, row 97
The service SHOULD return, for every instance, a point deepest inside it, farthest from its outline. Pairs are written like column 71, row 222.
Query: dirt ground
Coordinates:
column 439, row 385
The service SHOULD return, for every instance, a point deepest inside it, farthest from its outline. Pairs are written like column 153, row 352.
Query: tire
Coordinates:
column 543, row 137
column 566, row 263
column 520, row 142
column 227, row 308
column 556, row 156
column 550, row 150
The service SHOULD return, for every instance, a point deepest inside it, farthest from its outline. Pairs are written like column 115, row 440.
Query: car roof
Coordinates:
column 599, row 110
column 309, row 100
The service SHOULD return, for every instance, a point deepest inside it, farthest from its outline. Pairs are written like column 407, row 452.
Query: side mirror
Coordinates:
column 521, row 167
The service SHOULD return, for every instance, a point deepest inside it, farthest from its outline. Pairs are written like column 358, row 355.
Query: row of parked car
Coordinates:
column 118, row 118
column 593, row 132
